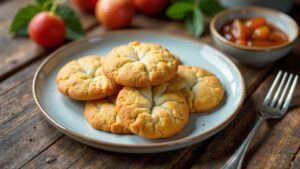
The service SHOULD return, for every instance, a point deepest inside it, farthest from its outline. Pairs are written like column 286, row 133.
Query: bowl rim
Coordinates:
column 252, row 9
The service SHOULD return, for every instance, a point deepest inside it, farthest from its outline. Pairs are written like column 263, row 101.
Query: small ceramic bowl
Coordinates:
column 255, row 56
column 281, row 5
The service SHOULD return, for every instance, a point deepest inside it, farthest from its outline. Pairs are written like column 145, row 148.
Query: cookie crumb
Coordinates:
column 50, row 160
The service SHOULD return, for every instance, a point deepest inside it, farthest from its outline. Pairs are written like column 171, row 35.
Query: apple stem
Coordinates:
column 53, row 7
column 196, row 3
column 55, row 4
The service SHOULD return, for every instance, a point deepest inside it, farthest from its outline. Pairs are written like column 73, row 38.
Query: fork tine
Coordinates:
column 285, row 91
column 271, row 91
column 275, row 98
column 290, row 95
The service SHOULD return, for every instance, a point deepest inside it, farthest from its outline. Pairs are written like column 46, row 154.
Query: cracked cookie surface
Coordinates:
column 152, row 112
column 202, row 89
column 102, row 115
column 83, row 79
column 140, row 64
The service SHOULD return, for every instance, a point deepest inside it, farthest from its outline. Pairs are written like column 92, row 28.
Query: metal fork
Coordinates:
column 275, row 106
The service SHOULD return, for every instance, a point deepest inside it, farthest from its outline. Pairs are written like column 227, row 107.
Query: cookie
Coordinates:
column 152, row 112
column 140, row 64
column 201, row 88
column 102, row 115
column 83, row 79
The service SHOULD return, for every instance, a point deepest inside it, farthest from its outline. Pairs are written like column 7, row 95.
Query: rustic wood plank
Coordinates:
column 26, row 141
column 16, row 98
column 280, row 138
column 277, row 141
column 1, row 1
column 62, row 154
column 17, row 52
column 57, row 151
column 15, row 114
column 295, row 164
column 24, row 133
column 69, row 153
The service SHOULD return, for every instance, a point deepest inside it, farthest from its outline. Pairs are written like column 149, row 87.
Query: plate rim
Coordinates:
column 79, row 136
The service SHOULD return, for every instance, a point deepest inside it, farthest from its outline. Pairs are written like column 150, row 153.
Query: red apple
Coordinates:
column 151, row 7
column 47, row 29
column 86, row 5
column 114, row 14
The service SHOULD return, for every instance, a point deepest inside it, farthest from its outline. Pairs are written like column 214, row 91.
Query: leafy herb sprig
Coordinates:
column 22, row 18
column 191, row 11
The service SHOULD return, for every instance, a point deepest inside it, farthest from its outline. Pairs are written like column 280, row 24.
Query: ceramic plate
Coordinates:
column 67, row 114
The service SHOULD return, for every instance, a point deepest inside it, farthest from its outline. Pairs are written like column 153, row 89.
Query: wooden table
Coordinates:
column 27, row 140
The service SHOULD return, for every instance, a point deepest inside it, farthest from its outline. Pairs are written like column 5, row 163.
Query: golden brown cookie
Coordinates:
column 201, row 88
column 83, row 79
column 140, row 64
column 102, row 115
column 152, row 112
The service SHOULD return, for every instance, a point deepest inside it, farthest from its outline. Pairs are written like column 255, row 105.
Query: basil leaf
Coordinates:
column 74, row 28
column 22, row 19
column 210, row 7
column 178, row 10
column 195, row 22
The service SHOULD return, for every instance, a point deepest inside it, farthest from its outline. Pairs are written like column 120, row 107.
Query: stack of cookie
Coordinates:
column 139, row 88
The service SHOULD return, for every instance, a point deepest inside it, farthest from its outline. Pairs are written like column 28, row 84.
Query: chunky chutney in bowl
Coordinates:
column 253, row 32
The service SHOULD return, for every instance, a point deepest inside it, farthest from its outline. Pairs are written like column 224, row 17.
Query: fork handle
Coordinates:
column 236, row 160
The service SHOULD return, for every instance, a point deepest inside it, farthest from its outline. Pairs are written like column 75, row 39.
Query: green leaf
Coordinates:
column 194, row 22
column 22, row 32
column 187, row 1
column 41, row 2
column 210, row 7
column 47, row 6
column 73, row 34
column 22, row 19
column 178, row 11
column 74, row 28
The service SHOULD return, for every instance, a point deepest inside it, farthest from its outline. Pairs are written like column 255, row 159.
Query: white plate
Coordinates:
column 67, row 115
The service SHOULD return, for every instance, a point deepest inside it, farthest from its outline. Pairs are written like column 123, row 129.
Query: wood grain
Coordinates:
column 29, row 141
column 16, row 97
column 295, row 164
column 62, row 154
column 23, row 131
column 69, row 153
column 16, row 52
column 277, row 141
